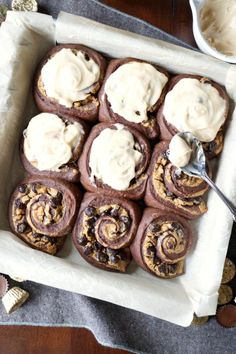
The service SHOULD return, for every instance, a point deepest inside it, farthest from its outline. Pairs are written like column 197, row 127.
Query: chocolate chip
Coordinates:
column 164, row 154
column 91, row 231
column 19, row 204
column 59, row 197
column 90, row 211
column 86, row 57
column 122, row 255
column 102, row 257
column 114, row 212
column 82, row 240
column 34, row 187
column 153, row 227
column 36, row 235
column 133, row 181
column 151, row 250
column 126, row 220
column 21, row 227
column 49, row 239
column 167, row 268
column 111, row 252
column 169, row 194
column 156, row 260
column 92, row 221
column 176, row 226
column 22, row 188
column 211, row 146
column 54, row 202
column 88, row 250
column 97, row 246
column 113, row 259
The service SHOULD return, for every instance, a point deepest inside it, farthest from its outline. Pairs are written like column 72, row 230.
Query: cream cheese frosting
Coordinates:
column 67, row 76
column 179, row 152
column 196, row 107
column 49, row 141
column 133, row 89
column 218, row 24
column 113, row 157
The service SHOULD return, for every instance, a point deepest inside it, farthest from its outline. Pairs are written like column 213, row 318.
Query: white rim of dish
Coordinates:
column 200, row 39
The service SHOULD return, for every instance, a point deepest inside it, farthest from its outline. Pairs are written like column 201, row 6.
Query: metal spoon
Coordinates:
column 197, row 168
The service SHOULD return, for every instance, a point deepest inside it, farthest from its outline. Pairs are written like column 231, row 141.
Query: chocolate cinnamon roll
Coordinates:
column 168, row 187
column 131, row 94
column 104, row 229
column 51, row 146
column 196, row 104
column 67, row 81
column 162, row 242
column 114, row 161
column 42, row 212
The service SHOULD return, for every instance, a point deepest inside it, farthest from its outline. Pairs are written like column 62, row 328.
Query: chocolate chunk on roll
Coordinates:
column 104, row 229
column 131, row 94
column 42, row 211
column 51, row 146
column 170, row 188
column 67, row 81
column 114, row 161
column 161, row 244
column 198, row 105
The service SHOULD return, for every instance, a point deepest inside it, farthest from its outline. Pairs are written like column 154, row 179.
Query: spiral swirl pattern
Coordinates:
column 104, row 230
column 42, row 212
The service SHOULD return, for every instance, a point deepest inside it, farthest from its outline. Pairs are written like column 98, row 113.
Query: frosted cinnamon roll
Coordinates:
column 114, row 161
column 42, row 212
column 104, row 229
column 131, row 94
column 67, row 81
column 168, row 187
column 51, row 146
column 162, row 242
column 198, row 105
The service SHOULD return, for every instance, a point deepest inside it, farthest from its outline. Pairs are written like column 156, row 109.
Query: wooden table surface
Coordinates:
column 172, row 16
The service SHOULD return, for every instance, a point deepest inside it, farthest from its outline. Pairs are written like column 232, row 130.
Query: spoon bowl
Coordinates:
column 197, row 164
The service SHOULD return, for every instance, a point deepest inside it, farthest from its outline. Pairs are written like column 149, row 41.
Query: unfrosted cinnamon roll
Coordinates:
column 51, row 146
column 114, row 161
column 168, row 187
column 104, row 229
column 162, row 242
column 198, row 105
column 131, row 94
column 42, row 212
column 67, row 81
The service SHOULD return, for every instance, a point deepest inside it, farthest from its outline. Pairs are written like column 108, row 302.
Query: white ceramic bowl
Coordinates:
column 202, row 43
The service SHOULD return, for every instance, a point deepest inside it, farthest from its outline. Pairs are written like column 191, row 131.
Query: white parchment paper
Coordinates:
column 24, row 40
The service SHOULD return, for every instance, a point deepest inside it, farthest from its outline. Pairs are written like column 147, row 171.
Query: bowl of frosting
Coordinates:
column 214, row 27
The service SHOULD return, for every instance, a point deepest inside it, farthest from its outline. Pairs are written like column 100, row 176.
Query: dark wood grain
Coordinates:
column 175, row 18
column 44, row 340
column 172, row 16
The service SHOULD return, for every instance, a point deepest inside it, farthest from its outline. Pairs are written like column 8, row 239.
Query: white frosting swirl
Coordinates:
column 49, row 142
column 133, row 89
column 113, row 157
column 66, row 75
column 179, row 152
column 196, row 107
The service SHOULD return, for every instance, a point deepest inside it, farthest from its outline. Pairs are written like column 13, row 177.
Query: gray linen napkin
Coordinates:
column 113, row 325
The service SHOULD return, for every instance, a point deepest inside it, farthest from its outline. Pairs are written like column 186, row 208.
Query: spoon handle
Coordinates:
column 227, row 202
